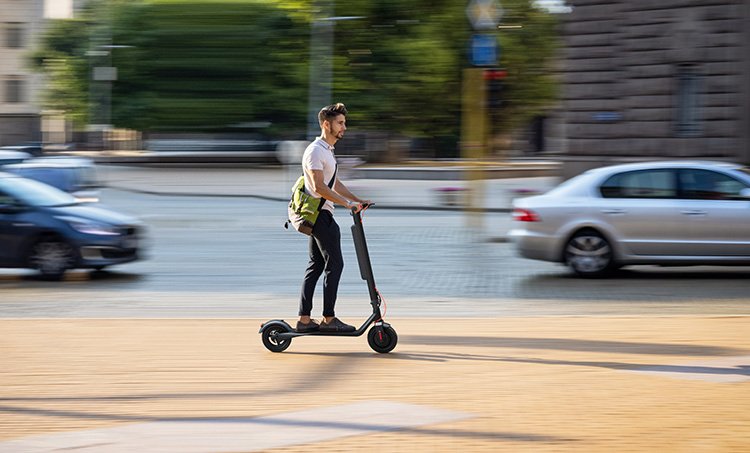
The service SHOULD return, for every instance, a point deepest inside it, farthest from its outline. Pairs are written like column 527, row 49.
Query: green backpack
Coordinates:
column 304, row 208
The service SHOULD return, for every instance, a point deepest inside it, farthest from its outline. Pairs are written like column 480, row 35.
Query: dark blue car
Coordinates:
column 75, row 175
column 47, row 229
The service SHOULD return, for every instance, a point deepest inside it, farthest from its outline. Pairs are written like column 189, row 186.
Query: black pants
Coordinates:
column 325, row 255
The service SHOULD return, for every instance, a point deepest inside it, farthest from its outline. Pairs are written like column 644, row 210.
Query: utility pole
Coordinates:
column 321, row 64
column 484, row 16
column 321, row 61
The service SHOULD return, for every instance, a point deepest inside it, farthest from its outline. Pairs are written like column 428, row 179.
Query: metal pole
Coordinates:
column 474, row 131
column 321, row 64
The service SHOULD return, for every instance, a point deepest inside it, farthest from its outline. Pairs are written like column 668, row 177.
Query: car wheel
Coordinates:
column 589, row 254
column 52, row 257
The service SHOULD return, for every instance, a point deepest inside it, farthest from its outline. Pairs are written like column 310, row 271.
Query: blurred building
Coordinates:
column 20, row 21
column 646, row 80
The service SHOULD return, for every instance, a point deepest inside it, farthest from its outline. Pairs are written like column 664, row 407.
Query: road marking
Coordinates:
column 240, row 434
column 728, row 369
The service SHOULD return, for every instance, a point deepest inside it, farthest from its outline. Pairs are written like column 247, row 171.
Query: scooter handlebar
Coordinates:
column 365, row 206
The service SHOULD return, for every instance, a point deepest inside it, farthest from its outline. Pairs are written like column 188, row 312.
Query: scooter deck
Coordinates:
column 356, row 333
column 293, row 334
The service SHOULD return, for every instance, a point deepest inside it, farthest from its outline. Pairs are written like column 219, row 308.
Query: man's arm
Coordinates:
column 322, row 188
column 340, row 188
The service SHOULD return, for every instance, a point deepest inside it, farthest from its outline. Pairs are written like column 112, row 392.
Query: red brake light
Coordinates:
column 525, row 215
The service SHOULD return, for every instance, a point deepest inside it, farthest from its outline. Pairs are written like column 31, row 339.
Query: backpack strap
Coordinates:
column 330, row 186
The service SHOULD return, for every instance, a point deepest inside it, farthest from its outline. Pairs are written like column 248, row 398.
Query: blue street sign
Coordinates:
column 484, row 50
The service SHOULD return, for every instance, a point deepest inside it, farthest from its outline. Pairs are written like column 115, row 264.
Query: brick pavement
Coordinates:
column 545, row 384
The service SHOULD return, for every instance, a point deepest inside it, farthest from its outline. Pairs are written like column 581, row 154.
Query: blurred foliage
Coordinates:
column 62, row 57
column 528, row 55
column 218, row 64
column 399, row 68
column 209, row 65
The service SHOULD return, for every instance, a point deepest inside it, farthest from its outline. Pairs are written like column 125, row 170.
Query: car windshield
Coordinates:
column 35, row 193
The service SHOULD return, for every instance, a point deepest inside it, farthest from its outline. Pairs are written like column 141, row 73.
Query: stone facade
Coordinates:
column 651, row 80
column 20, row 23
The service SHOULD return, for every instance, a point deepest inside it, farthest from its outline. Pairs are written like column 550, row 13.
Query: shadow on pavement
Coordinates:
column 743, row 370
column 643, row 284
column 102, row 276
column 310, row 380
column 486, row 435
column 566, row 344
column 679, row 273
column 660, row 273
column 110, row 276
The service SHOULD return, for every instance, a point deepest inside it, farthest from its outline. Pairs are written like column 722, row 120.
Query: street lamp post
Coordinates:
column 102, row 78
column 321, row 62
column 321, row 69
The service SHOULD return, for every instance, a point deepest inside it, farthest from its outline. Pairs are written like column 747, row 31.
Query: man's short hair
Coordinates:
column 330, row 112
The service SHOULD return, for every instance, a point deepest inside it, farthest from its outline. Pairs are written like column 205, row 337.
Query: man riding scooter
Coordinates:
column 319, row 168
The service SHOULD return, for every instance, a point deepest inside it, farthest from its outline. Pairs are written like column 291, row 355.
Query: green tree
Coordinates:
column 182, row 66
column 62, row 58
column 213, row 65
column 528, row 55
column 209, row 65
column 402, row 65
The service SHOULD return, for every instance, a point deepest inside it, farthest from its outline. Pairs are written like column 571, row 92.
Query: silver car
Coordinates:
column 666, row 213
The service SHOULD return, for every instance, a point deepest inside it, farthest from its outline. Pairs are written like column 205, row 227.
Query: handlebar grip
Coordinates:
column 364, row 207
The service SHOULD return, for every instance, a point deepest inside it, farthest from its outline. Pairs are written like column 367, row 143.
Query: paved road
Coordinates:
column 659, row 368
column 549, row 384
column 216, row 257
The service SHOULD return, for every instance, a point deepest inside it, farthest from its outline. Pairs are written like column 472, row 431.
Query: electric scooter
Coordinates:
column 277, row 334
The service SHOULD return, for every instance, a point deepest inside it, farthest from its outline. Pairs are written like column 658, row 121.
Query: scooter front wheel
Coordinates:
column 272, row 342
column 382, row 339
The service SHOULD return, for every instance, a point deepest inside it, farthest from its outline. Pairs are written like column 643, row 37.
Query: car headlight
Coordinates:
column 90, row 227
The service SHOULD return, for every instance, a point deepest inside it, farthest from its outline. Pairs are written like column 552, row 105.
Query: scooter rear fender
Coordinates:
column 272, row 322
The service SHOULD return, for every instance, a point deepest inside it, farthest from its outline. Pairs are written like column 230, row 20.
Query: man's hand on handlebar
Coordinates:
column 359, row 207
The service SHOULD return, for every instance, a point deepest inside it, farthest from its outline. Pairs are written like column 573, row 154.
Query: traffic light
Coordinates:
column 494, row 78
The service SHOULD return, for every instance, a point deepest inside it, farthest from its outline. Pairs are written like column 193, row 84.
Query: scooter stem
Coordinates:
column 363, row 257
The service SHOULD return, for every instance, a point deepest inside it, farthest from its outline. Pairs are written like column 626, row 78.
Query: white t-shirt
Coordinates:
column 319, row 156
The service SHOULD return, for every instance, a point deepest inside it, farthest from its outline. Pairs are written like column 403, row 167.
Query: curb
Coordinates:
column 457, row 173
column 435, row 172
column 285, row 200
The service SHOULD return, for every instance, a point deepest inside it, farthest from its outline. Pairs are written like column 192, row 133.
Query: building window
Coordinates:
column 688, row 101
column 14, row 90
column 13, row 35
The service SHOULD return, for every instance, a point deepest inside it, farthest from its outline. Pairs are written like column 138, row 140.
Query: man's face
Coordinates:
column 337, row 126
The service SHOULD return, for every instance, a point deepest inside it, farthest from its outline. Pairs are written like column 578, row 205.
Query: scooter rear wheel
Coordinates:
column 382, row 339
column 271, row 342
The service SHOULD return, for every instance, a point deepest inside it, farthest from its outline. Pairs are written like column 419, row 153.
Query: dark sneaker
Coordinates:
column 311, row 326
column 336, row 326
